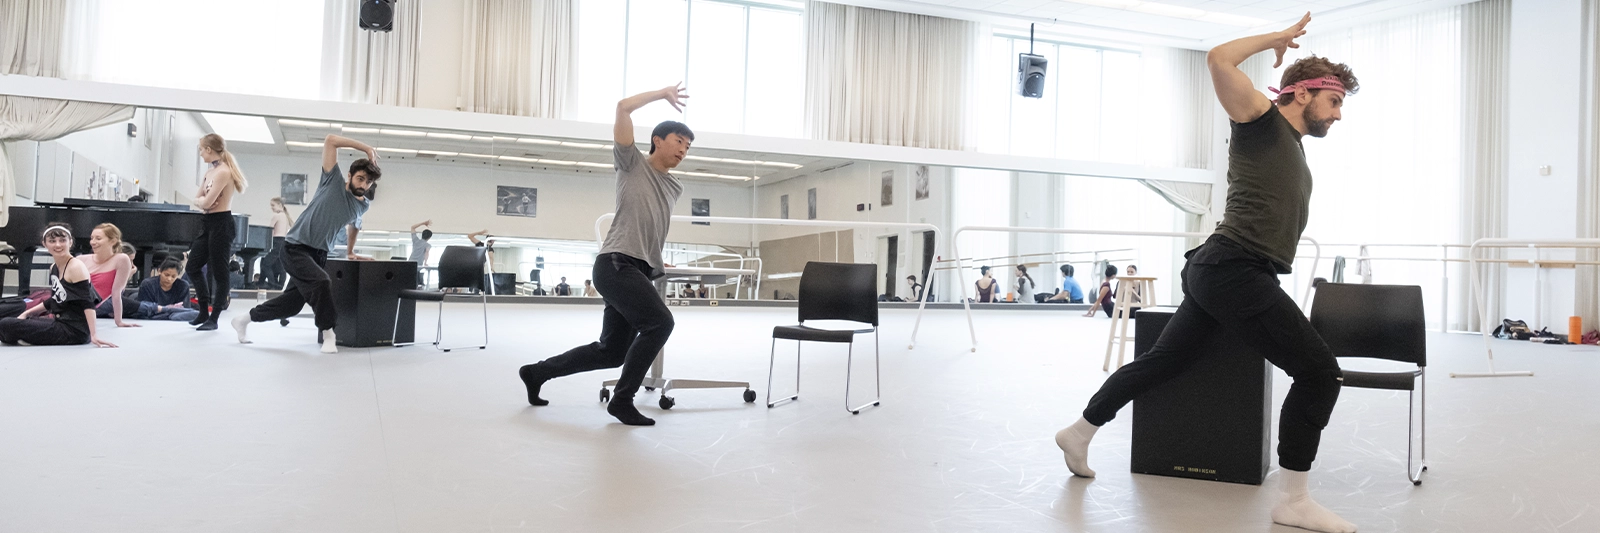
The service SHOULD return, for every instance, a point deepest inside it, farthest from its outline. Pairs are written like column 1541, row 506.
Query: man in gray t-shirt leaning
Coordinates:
column 637, row 322
column 333, row 209
column 420, row 248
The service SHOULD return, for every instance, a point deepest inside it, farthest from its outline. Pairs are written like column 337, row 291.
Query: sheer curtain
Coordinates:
column 1389, row 172
column 517, row 58
column 191, row 44
column 1485, row 131
column 31, row 35
column 1588, row 277
column 884, row 77
column 370, row 67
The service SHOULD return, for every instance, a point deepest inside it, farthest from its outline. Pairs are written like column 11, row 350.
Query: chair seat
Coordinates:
column 426, row 296
column 808, row 333
column 1382, row 380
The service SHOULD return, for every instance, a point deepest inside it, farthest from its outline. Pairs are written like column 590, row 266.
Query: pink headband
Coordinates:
column 1325, row 82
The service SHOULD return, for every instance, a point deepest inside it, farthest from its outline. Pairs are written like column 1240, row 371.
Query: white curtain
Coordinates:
column 517, row 57
column 1181, row 100
column 1588, row 277
column 371, row 67
column 884, row 77
column 39, row 119
column 30, row 37
column 1485, row 81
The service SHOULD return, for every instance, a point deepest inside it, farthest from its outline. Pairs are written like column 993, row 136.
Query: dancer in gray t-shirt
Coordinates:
column 637, row 321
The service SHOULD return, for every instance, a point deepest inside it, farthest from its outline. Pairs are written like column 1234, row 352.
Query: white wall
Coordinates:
column 162, row 159
column 838, row 192
column 1544, row 130
column 461, row 199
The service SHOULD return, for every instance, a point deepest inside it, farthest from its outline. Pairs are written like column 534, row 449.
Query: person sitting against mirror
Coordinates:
column 1107, row 297
column 916, row 288
column 563, row 289
column 1071, row 292
column 71, row 302
column 637, row 321
column 986, row 285
column 588, row 289
column 335, row 208
column 214, row 246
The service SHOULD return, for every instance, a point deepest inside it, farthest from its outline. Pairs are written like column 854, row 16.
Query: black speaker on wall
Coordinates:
column 1030, row 71
column 377, row 15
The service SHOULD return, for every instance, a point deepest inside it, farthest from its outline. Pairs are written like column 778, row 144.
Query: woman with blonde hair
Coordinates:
column 272, row 269
column 72, row 300
column 109, row 270
column 214, row 246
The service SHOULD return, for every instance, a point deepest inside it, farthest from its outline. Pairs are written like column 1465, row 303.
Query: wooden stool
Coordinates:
column 1132, row 292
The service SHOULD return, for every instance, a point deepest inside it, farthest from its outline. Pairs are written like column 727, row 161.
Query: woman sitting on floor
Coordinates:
column 72, row 300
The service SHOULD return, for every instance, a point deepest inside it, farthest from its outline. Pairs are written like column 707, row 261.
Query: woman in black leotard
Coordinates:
column 72, row 300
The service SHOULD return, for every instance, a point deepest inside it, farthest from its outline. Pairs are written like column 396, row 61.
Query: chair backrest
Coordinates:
column 462, row 267
column 1378, row 321
column 839, row 291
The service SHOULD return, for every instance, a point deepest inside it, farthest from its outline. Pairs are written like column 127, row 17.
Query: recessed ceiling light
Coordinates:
column 434, row 153
column 303, row 144
column 557, row 162
column 353, row 129
column 522, row 159
column 537, row 141
column 1176, row 11
column 396, row 150
column 403, row 133
column 485, row 156
column 451, row 136
column 596, row 165
column 240, row 128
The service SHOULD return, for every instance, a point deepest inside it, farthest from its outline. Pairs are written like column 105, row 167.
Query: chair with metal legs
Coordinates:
column 833, row 291
column 461, row 267
column 1380, row 322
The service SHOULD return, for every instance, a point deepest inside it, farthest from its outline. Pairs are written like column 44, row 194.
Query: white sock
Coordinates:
column 1074, row 443
column 1297, row 509
column 239, row 324
column 329, row 345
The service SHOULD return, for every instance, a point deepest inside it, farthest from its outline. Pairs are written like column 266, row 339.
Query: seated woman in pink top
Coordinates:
column 108, row 269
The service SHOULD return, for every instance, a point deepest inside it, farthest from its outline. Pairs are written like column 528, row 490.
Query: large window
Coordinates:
column 1089, row 111
column 741, row 62
column 199, row 44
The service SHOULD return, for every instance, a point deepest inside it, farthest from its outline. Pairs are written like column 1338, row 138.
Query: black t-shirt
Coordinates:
column 1269, row 189
column 68, row 300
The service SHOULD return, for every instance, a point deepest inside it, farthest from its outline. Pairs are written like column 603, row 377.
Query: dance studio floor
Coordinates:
column 181, row 431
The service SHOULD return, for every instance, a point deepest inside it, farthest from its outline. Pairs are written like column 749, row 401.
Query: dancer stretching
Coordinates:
column 335, row 205
column 1231, row 281
column 72, row 300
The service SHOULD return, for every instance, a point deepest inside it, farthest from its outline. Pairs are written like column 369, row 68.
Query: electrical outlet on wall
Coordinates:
column 1544, row 170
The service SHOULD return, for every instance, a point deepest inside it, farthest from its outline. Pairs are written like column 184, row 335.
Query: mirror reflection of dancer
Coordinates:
column 637, row 321
column 214, row 246
column 272, row 271
column 72, row 300
column 1231, row 281
column 336, row 204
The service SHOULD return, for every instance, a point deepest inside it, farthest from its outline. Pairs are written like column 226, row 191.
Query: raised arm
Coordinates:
column 332, row 144
column 350, row 244
column 474, row 236
column 1242, row 101
column 622, row 133
column 414, row 227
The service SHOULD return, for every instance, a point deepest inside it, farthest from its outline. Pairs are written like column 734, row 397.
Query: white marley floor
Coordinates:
column 185, row 431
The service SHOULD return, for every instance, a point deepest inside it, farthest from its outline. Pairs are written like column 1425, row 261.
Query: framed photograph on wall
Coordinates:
column 922, row 182
column 887, row 198
column 811, row 204
column 700, row 207
column 292, row 188
column 516, row 201
column 783, row 207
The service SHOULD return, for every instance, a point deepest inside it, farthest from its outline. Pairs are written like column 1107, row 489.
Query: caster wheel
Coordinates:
column 1416, row 483
column 649, row 388
column 855, row 412
column 749, row 396
column 483, row 347
column 1424, row 468
column 605, row 395
column 283, row 322
column 667, row 402
column 875, row 404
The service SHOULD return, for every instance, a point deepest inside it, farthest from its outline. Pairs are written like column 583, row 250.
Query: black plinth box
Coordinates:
column 365, row 294
column 1214, row 421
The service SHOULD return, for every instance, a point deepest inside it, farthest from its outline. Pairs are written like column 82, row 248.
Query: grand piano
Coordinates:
column 147, row 226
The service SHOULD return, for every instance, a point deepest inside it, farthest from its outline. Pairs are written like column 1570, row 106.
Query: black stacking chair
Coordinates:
column 833, row 291
column 1380, row 322
column 461, row 267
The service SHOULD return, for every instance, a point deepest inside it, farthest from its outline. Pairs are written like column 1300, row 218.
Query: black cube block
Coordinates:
column 1214, row 421
column 366, row 294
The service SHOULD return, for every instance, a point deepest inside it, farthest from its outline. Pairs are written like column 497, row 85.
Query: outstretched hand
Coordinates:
column 1286, row 38
column 676, row 95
